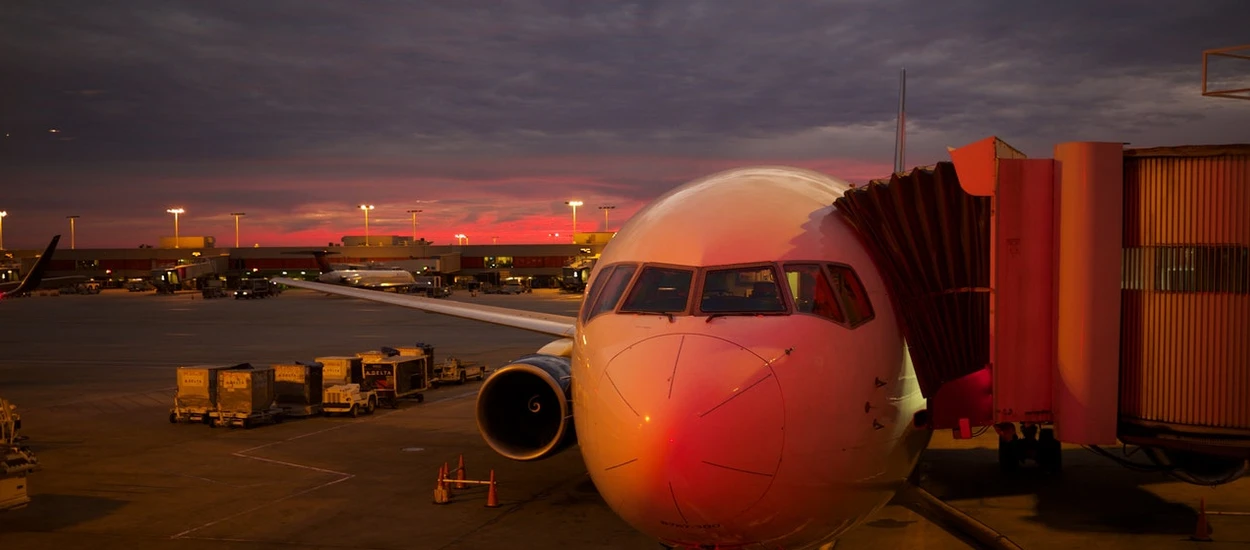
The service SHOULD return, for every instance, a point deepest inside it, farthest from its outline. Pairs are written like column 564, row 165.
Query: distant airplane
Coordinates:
column 375, row 278
column 736, row 371
column 34, row 278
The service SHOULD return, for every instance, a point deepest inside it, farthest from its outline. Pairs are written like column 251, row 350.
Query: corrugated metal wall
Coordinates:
column 1185, row 342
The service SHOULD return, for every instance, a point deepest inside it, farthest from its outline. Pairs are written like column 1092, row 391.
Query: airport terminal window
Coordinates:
column 613, row 287
column 660, row 290
column 847, row 287
column 741, row 290
column 811, row 292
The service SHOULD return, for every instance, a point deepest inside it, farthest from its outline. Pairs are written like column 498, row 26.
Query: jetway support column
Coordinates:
column 1089, row 220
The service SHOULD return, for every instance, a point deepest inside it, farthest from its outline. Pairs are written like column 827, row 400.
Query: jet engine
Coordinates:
column 524, row 410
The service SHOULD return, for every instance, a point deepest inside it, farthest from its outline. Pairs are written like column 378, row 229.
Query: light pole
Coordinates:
column 366, row 208
column 605, row 215
column 71, row 230
column 175, row 212
column 414, row 225
column 2, row 215
column 461, row 238
column 494, row 240
column 574, row 204
column 237, row 215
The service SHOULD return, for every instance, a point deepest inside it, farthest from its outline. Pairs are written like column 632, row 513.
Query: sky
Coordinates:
column 489, row 115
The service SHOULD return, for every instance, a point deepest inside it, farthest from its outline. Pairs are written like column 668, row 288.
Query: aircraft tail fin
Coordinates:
column 320, row 255
column 35, row 276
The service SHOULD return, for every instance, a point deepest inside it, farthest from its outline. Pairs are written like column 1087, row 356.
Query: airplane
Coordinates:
column 34, row 277
column 362, row 277
column 746, row 385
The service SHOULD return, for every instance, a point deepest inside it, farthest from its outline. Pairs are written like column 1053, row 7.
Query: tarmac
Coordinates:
column 93, row 378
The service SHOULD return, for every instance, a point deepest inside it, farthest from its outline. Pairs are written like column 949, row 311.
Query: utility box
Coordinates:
column 298, row 388
column 198, row 391
column 336, row 370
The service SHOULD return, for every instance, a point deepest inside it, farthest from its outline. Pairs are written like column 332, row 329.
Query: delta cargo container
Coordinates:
column 197, row 391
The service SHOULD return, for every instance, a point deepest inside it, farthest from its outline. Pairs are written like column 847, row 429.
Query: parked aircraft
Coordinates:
column 34, row 278
column 736, row 371
column 376, row 278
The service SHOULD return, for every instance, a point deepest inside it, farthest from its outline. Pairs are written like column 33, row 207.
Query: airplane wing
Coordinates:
column 545, row 323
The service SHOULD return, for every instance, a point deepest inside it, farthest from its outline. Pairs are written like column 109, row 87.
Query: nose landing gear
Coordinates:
column 1033, row 443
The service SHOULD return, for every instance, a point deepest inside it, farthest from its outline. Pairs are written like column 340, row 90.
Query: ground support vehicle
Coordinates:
column 197, row 392
column 453, row 370
column 16, row 461
column 397, row 377
column 298, row 388
column 349, row 399
column 213, row 288
column 245, row 397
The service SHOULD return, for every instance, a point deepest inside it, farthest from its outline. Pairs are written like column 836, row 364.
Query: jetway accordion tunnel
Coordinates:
column 1184, row 308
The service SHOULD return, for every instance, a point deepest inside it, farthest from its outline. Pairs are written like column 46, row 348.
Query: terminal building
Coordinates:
column 539, row 265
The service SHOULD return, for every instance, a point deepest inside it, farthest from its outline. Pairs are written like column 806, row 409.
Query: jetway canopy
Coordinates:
column 931, row 241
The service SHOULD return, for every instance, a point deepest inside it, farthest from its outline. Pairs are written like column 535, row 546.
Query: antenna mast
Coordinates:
column 900, row 132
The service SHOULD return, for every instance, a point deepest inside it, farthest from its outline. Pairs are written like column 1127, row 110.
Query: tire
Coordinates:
column 420, row 398
column 373, row 404
column 173, row 418
column 463, row 377
column 355, row 411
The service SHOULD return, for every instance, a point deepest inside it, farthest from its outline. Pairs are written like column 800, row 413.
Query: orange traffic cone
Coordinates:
column 492, row 497
column 460, row 474
column 441, row 495
column 1202, row 531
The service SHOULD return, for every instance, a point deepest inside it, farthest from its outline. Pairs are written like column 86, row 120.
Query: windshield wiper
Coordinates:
column 664, row 313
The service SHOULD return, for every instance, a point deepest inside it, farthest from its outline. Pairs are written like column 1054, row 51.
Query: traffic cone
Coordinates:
column 1202, row 531
column 460, row 474
column 441, row 495
column 492, row 497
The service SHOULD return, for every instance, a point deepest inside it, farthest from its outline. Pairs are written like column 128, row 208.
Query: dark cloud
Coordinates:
column 186, row 100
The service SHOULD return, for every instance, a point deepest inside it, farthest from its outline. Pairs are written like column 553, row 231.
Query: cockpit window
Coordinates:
column 611, row 290
column 850, row 291
column 811, row 292
column 594, row 290
column 741, row 290
column 660, row 290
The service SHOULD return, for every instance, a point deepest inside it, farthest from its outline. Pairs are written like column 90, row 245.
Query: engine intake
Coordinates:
column 524, row 410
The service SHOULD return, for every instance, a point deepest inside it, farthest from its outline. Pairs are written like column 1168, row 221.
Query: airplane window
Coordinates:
column 659, row 290
column 811, row 292
column 592, row 293
column 741, row 290
column 613, row 288
column 847, row 287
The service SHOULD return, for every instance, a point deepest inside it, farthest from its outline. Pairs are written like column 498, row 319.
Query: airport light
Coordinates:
column 2, row 215
column 175, row 212
column 237, row 215
column 71, row 230
column 605, row 210
column 414, row 224
column 574, row 204
column 366, row 208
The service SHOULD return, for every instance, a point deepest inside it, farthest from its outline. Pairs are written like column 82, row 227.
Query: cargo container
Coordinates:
column 197, row 391
column 397, row 377
column 298, row 388
column 336, row 370
column 245, row 397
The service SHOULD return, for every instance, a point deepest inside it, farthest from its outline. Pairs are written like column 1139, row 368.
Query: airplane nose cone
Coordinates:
column 697, row 427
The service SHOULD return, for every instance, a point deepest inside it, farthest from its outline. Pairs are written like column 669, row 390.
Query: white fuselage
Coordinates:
column 368, row 278
column 745, row 430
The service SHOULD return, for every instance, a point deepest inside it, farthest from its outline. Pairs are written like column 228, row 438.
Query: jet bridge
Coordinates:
column 1102, row 291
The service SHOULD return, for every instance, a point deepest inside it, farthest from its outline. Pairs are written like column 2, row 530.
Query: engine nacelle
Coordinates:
column 525, row 409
